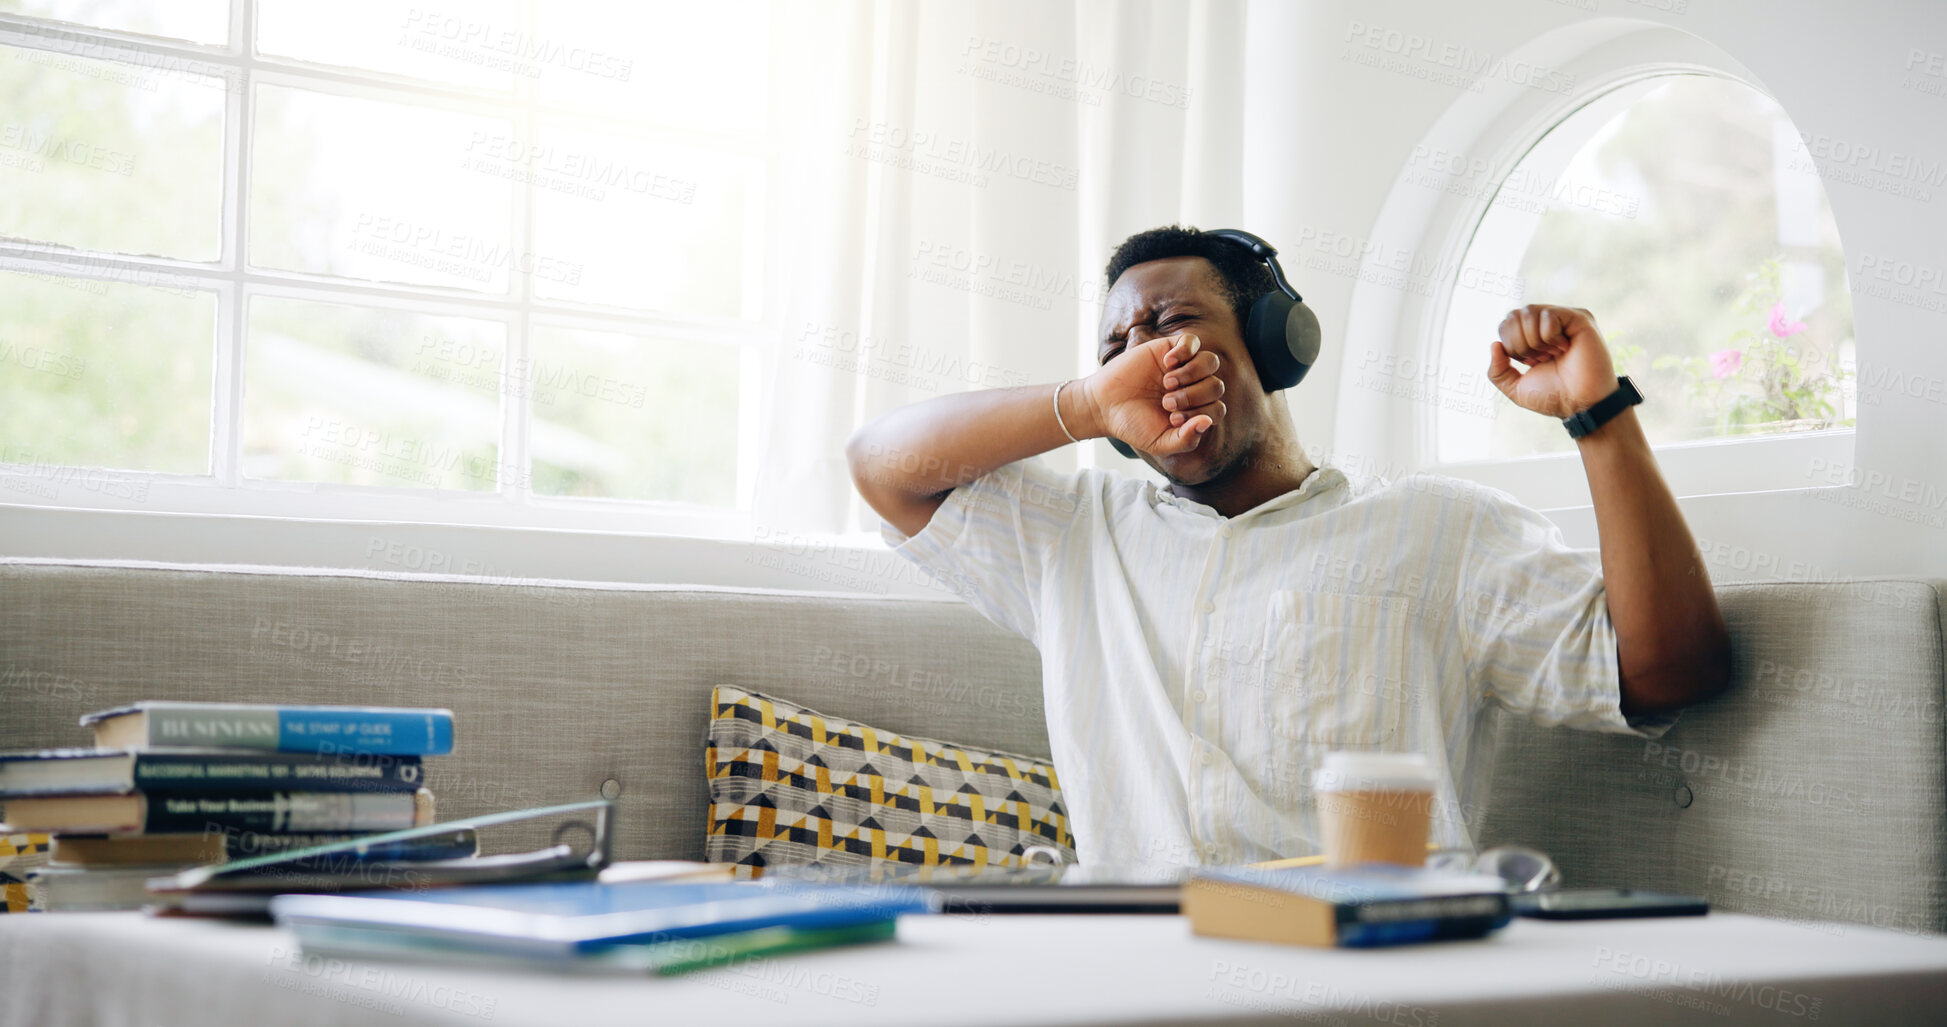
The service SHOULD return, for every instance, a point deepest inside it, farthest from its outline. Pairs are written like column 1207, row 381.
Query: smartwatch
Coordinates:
column 1605, row 409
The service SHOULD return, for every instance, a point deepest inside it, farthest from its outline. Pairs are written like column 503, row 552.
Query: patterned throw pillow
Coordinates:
column 19, row 853
column 789, row 785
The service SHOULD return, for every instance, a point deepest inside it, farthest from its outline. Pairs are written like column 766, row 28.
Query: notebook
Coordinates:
column 563, row 920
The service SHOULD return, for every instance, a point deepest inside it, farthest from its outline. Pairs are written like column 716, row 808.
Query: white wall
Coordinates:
column 1325, row 139
column 1839, row 70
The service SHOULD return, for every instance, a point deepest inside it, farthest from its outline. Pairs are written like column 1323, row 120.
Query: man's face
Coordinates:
column 1183, row 294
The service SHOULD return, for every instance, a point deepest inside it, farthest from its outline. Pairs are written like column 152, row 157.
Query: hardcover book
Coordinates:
column 1356, row 907
column 407, row 860
column 271, row 812
column 224, row 846
column 58, row 889
column 188, row 771
column 319, row 729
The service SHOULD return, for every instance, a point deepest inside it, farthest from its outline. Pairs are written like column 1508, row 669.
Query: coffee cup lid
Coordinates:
column 1372, row 771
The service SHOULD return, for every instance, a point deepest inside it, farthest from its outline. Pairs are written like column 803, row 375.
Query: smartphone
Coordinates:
column 1605, row 904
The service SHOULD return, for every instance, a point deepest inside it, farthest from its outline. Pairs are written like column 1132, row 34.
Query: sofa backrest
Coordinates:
column 555, row 690
column 1814, row 790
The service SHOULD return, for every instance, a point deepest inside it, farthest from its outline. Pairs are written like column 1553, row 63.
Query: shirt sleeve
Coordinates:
column 993, row 539
column 1535, row 623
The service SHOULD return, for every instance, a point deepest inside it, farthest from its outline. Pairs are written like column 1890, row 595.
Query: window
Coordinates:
column 499, row 257
column 1685, row 212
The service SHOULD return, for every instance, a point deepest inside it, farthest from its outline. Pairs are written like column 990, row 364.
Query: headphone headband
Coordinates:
column 1263, row 251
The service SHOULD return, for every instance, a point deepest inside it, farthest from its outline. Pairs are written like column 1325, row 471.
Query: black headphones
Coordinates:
column 1281, row 333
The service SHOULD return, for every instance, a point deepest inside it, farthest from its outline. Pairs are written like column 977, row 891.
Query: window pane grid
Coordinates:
column 169, row 59
column 226, row 417
column 237, row 284
column 517, row 409
column 86, row 264
column 72, row 36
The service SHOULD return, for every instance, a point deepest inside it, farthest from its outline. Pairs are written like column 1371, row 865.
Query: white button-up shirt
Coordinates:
column 1196, row 668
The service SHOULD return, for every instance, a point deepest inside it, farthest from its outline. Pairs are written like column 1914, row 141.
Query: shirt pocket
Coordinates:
column 1336, row 670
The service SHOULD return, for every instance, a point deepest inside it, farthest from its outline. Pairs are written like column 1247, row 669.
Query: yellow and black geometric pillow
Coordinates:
column 19, row 853
column 789, row 785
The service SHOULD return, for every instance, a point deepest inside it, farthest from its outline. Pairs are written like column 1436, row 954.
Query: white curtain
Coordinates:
column 956, row 177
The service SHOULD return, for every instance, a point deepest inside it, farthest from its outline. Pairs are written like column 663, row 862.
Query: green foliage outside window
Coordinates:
column 1761, row 378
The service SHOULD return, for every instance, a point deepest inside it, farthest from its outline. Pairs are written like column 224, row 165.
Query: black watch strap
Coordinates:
column 1605, row 409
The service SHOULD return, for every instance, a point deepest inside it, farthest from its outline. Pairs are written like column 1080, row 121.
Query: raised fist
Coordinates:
column 1569, row 369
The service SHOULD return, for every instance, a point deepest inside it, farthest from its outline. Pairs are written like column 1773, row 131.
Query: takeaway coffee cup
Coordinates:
column 1374, row 807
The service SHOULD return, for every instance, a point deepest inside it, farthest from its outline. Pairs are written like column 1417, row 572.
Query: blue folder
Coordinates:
column 568, row 919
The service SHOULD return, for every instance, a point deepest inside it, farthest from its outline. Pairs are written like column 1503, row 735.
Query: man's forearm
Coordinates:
column 1670, row 636
column 905, row 461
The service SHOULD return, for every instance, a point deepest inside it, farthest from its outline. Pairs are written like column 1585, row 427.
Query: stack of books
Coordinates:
column 172, row 785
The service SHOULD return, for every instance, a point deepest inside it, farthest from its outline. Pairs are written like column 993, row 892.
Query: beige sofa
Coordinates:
column 1813, row 791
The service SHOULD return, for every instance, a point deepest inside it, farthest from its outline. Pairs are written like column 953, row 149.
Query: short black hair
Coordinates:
column 1241, row 275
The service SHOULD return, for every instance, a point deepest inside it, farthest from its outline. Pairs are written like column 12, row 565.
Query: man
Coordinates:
column 1204, row 644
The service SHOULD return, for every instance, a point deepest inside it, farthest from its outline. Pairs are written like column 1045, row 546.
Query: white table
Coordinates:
column 127, row 969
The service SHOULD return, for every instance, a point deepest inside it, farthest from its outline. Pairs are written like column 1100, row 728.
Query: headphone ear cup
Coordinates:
column 1264, row 338
column 1302, row 338
column 1282, row 335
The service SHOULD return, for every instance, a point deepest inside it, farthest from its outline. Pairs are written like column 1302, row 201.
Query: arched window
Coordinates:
column 1685, row 212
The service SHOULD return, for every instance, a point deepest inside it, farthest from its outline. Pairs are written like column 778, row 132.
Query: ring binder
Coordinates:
column 245, row 886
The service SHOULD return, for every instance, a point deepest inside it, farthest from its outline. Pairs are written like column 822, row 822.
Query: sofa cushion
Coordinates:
column 789, row 785
column 1811, row 791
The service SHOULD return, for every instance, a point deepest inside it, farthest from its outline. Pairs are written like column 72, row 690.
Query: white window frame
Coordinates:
column 225, row 492
column 1501, row 124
